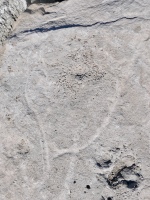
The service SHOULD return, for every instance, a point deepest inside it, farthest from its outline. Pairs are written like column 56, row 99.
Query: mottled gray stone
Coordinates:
column 75, row 102
column 9, row 12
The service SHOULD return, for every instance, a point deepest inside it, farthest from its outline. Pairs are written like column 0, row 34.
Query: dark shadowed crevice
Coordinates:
column 43, row 1
column 122, row 177
column 55, row 28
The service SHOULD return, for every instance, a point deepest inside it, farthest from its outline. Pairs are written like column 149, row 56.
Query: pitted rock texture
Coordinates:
column 75, row 102
column 9, row 12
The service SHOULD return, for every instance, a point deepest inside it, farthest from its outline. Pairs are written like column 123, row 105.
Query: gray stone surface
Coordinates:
column 75, row 102
column 9, row 12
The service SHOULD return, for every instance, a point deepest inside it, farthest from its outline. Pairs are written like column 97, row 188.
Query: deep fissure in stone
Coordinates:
column 43, row 1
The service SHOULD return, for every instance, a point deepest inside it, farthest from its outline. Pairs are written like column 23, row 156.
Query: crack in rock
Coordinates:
column 66, row 26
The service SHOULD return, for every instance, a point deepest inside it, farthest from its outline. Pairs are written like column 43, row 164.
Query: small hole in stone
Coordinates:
column 74, row 182
column 109, row 198
column 108, row 162
column 84, row 191
column 88, row 187
column 131, row 184
column 98, row 164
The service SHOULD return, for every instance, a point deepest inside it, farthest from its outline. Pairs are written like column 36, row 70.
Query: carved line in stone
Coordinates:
column 106, row 122
column 43, row 143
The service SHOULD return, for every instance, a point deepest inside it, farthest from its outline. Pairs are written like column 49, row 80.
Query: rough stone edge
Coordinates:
column 9, row 12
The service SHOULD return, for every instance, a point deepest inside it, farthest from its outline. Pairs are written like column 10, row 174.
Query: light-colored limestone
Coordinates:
column 9, row 12
column 75, row 102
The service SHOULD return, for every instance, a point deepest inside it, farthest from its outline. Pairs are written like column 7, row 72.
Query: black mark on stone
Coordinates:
column 80, row 76
column 44, row 1
column 130, row 184
column 98, row 164
column 108, row 162
column 109, row 198
column 88, row 187
column 119, row 178
column 104, row 164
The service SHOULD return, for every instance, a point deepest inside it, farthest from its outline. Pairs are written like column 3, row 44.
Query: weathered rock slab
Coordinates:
column 9, row 12
column 75, row 102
